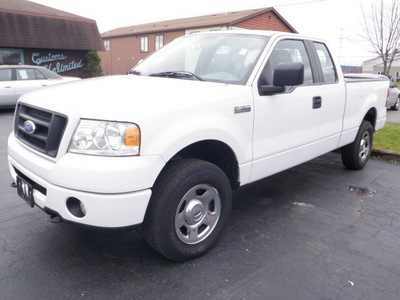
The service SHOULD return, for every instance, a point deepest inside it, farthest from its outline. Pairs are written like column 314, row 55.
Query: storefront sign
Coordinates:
column 56, row 62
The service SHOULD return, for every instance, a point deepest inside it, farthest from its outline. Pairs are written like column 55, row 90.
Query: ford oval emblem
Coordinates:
column 29, row 126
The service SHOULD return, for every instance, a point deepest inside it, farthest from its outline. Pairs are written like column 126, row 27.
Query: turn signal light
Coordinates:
column 132, row 136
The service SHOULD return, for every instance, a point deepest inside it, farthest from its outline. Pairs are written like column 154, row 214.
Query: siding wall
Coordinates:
column 125, row 52
column 267, row 21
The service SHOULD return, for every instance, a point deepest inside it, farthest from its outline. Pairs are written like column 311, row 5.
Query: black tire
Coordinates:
column 396, row 106
column 355, row 155
column 189, row 194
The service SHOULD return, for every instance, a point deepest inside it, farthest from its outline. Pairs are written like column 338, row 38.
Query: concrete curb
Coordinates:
column 386, row 154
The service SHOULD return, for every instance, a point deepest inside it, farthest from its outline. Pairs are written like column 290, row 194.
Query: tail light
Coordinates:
column 387, row 98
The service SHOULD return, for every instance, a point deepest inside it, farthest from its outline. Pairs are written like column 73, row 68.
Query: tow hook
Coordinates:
column 13, row 185
column 55, row 219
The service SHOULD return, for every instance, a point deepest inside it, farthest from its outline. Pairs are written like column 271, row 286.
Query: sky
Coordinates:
column 339, row 22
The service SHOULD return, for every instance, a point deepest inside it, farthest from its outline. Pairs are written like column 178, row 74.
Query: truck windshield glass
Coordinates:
column 227, row 58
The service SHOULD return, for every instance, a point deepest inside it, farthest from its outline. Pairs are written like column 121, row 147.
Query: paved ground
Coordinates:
column 316, row 231
column 393, row 116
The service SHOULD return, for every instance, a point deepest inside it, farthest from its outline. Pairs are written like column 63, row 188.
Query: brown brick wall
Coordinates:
column 267, row 21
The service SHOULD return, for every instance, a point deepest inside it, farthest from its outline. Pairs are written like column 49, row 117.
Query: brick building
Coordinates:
column 126, row 46
column 34, row 34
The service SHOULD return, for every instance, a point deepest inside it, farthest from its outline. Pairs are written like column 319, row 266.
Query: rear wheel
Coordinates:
column 190, row 205
column 355, row 155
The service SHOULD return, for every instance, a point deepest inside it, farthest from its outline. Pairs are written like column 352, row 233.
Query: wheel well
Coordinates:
column 216, row 153
column 371, row 117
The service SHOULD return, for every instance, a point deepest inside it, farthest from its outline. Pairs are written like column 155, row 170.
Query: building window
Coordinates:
column 11, row 57
column 159, row 41
column 144, row 44
column 107, row 45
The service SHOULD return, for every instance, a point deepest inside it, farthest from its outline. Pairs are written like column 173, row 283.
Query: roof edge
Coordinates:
column 70, row 18
column 108, row 34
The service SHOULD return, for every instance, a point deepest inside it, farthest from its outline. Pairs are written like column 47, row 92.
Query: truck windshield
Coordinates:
column 227, row 58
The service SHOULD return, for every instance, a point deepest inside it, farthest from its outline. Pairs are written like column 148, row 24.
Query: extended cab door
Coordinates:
column 333, row 96
column 287, row 124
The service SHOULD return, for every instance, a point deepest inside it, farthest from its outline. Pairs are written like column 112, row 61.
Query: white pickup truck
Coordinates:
column 206, row 114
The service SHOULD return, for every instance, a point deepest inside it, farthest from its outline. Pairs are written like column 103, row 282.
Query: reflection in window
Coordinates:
column 11, row 57
column 28, row 74
column 287, row 51
column 328, row 69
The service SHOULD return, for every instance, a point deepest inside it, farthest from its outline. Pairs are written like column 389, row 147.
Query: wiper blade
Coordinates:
column 177, row 74
column 134, row 72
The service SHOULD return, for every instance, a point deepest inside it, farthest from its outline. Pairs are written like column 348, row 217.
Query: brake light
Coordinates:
column 387, row 98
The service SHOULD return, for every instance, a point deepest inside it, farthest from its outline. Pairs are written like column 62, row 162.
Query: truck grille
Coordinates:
column 39, row 129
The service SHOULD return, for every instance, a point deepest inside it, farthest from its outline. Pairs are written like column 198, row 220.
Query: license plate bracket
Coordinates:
column 25, row 191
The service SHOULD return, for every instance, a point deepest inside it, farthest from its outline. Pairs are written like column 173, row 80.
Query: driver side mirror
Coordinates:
column 285, row 74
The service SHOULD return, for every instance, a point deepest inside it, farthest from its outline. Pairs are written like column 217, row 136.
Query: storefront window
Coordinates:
column 11, row 57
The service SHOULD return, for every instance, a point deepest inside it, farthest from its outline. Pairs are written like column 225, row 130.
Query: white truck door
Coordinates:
column 7, row 89
column 286, row 125
column 333, row 97
column 27, row 80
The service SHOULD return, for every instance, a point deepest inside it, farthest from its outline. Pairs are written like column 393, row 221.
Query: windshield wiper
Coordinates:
column 134, row 72
column 177, row 74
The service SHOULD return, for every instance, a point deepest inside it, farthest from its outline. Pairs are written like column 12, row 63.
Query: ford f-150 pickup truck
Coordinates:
column 164, row 146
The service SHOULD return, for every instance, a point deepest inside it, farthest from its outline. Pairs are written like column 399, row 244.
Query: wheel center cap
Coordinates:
column 194, row 211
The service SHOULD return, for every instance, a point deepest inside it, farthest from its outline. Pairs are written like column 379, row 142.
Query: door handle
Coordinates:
column 317, row 102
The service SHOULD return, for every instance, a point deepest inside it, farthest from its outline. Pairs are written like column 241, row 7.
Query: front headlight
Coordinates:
column 106, row 138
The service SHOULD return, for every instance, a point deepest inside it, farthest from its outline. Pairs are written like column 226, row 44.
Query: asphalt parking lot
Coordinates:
column 316, row 231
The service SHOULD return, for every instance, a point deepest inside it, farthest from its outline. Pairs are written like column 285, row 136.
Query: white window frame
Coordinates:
column 107, row 45
column 144, row 44
column 159, row 41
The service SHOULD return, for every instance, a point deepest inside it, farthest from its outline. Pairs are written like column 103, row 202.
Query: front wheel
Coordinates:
column 190, row 205
column 355, row 155
column 396, row 106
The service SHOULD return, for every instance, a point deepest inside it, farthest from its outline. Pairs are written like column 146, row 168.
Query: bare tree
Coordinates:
column 382, row 30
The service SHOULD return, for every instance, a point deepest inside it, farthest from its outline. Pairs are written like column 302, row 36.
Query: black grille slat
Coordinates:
column 36, row 119
column 38, row 113
column 40, row 135
column 49, row 128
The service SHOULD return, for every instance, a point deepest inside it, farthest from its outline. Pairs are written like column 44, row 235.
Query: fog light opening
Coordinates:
column 76, row 207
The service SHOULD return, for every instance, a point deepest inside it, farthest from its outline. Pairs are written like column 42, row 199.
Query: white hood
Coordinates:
column 124, row 98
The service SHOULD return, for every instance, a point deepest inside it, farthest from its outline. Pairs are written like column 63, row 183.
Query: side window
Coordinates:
column 288, row 51
column 26, row 74
column 5, row 75
column 39, row 75
column 328, row 68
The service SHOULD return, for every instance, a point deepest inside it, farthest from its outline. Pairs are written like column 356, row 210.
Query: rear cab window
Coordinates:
column 329, row 74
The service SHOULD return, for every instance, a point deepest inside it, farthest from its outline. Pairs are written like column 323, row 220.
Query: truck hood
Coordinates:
column 126, row 98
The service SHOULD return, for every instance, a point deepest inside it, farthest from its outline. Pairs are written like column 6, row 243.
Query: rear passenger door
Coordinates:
column 7, row 89
column 28, row 79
